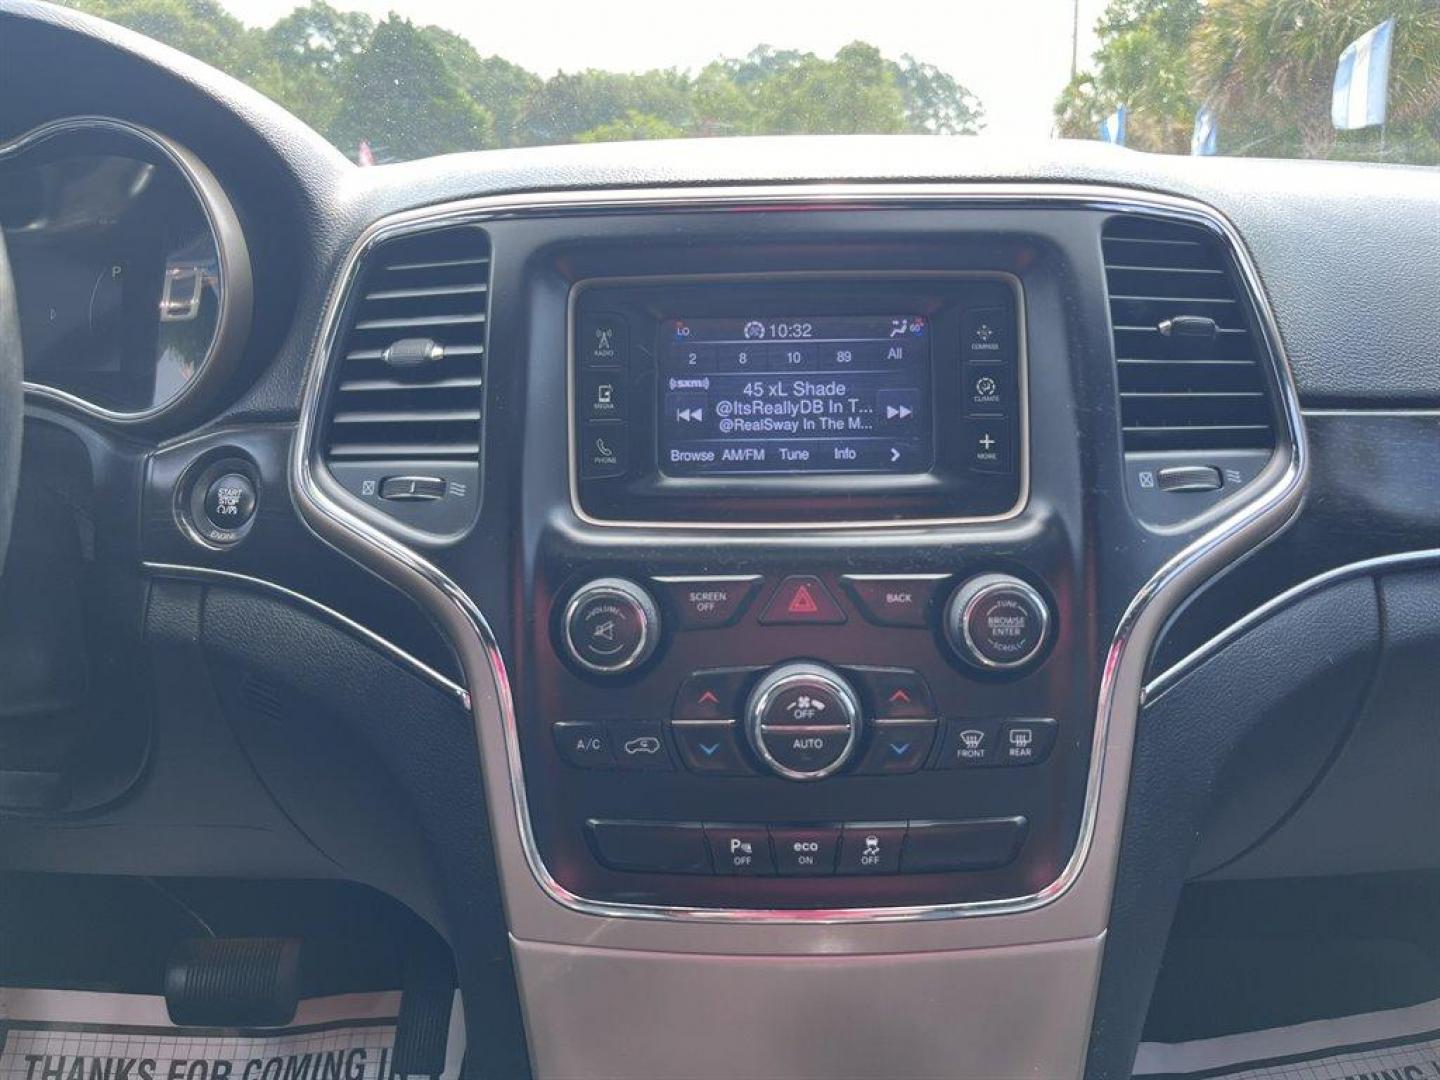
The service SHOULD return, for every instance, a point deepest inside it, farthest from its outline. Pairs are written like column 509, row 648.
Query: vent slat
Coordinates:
column 427, row 289
column 1182, row 391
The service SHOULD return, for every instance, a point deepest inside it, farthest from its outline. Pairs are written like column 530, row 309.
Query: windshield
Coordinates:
column 1352, row 79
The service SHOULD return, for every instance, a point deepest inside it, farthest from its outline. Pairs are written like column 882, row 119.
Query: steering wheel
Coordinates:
column 12, row 400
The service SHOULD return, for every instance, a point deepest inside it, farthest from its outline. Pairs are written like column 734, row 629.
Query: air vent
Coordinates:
column 1189, row 364
column 410, row 363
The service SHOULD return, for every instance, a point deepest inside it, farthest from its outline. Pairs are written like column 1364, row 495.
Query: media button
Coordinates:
column 802, row 599
column 602, row 341
column 602, row 395
column 603, row 449
column 986, row 335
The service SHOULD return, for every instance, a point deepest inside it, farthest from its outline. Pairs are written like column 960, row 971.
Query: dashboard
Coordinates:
column 745, row 576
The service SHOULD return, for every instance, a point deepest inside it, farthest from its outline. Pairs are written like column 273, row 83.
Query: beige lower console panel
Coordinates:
column 987, row 1014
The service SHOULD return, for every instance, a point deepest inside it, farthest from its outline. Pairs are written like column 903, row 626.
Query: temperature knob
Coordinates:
column 610, row 626
column 803, row 720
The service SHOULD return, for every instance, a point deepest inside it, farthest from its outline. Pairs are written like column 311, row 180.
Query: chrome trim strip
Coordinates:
column 1247, row 622
column 1022, row 384
column 233, row 254
column 327, row 510
column 344, row 622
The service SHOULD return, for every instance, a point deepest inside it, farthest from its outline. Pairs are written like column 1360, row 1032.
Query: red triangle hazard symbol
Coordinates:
column 802, row 602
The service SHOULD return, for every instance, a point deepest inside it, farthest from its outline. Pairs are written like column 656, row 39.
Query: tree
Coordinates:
column 856, row 93
column 935, row 104
column 1143, row 63
column 1269, row 66
column 492, row 82
column 569, row 104
column 633, row 125
column 310, row 48
column 401, row 98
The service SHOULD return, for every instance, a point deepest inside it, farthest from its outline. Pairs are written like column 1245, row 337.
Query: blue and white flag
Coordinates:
column 1112, row 128
column 1362, row 80
column 1204, row 140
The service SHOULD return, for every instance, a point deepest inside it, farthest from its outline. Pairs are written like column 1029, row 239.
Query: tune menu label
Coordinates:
column 795, row 395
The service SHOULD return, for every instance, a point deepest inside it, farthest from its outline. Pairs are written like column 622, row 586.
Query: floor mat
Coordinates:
column 1397, row 1044
column 78, row 1035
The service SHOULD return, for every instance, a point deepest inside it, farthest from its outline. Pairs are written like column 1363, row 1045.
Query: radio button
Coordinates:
column 898, row 747
column 805, row 852
column 871, row 849
column 707, row 603
column 802, row 599
column 893, row 600
column 584, row 744
column 602, row 341
column 969, row 744
column 711, row 749
column 741, row 850
column 1026, row 742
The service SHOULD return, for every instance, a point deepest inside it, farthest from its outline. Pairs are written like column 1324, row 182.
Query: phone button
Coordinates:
column 603, row 449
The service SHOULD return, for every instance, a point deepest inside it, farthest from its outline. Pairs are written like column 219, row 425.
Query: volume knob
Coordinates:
column 610, row 626
column 803, row 720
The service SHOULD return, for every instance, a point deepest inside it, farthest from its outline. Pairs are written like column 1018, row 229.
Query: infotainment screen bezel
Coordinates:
column 953, row 490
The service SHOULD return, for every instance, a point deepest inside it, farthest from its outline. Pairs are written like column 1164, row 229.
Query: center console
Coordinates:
column 862, row 692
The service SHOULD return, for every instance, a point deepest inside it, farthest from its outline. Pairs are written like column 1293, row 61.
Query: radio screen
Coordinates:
column 823, row 394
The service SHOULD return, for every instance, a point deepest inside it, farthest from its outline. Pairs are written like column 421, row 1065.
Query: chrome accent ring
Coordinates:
column 332, row 514
column 972, row 649
column 231, row 252
column 645, row 610
column 781, row 679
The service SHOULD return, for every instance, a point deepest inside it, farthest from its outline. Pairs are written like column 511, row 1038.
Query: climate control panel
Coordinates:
column 805, row 738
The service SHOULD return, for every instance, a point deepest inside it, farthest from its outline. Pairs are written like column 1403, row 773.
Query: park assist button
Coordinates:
column 892, row 599
column 802, row 599
column 708, row 603
column 741, row 850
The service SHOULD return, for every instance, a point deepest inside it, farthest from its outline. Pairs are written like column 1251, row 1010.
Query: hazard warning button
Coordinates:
column 802, row 599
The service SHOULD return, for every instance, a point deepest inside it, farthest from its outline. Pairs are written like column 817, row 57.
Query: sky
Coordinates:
column 1013, row 54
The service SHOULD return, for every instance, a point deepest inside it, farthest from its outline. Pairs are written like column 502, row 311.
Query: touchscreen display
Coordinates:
column 802, row 394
